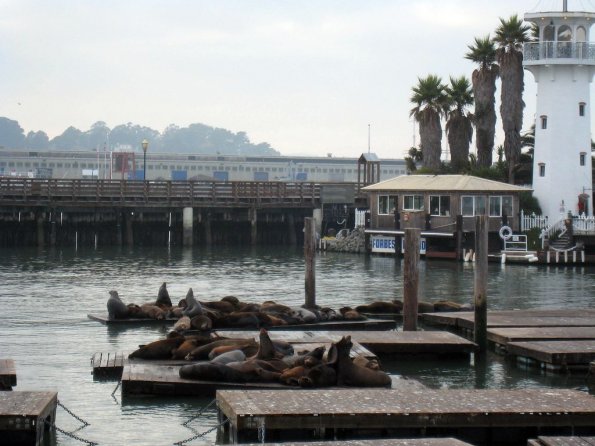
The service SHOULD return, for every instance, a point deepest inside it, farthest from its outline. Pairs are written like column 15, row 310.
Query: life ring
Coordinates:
column 505, row 232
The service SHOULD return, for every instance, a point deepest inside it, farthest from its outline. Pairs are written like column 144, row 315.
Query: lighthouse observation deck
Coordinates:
column 560, row 53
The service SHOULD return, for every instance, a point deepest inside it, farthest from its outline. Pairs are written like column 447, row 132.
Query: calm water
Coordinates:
column 46, row 296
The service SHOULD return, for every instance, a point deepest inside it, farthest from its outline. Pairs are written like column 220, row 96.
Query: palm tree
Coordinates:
column 459, row 127
column 483, row 53
column 510, row 36
column 430, row 99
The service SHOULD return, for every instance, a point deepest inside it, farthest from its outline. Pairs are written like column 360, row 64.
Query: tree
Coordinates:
column 459, row 127
column 510, row 37
column 70, row 139
column 430, row 99
column 11, row 134
column 37, row 140
column 411, row 161
column 483, row 53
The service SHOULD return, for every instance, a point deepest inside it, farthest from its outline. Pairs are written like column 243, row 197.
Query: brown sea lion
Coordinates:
column 161, row 349
column 201, row 322
column 362, row 361
column 202, row 352
column 380, row 307
column 321, row 375
column 349, row 314
column 232, row 300
column 182, row 324
column 425, row 307
column 193, row 308
column 446, row 305
column 224, row 373
column 163, row 299
column 221, row 306
column 273, row 307
column 291, row 376
column 153, row 311
column 350, row 374
column 250, row 348
column 116, row 309
column 176, row 313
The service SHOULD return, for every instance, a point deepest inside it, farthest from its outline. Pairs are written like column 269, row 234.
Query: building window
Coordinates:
column 583, row 157
column 544, row 122
column 472, row 205
column 413, row 202
column 581, row 109
column 500, row 206
column 386, row 204
column 440, row 205
column 541, row 169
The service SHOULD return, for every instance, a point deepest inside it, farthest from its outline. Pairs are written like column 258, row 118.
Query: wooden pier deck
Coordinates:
column 8, row 374
column 111, row 365
column 162, row 380
column 555, row 356
column 379, row 442
column 562, row 441
column 23, row 416
column 381, row 343
column 479, row 416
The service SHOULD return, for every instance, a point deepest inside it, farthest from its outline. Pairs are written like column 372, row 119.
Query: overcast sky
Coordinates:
column 306, row 76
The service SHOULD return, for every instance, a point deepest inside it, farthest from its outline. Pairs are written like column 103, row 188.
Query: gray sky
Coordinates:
column 306, row 76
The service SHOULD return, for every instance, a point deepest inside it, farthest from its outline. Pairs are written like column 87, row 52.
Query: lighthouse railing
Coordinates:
column 536, row 51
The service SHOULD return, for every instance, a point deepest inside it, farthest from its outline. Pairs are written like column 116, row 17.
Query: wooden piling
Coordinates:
column 40, row 229
column 291, row 229
column 253, row 225
column 397, row 237
column 310, row 257
column 129, row 231
column 187, row 226
column 411, row 279
column 480, row 284
column 459, row 237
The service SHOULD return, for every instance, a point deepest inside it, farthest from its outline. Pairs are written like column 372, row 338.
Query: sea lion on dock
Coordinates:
column 161, row 349
column 151, row 311
column 116, row 309
column 163, row 299
column 380, row 307
column 349, row 314
column 202, row 352
column 182, row 324
column 193, row 308
column 230, row 356
column 350, row 374
column 220, row 306
column 321, row 375
column 201, row 322
column 304, row 314
column 425, row 307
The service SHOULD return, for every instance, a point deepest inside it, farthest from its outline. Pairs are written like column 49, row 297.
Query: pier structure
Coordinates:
column 82, row 212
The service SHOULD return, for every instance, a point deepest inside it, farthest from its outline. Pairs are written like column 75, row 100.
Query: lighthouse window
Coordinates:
column 564, row 33
column 541, row 169
column 582, row 158
column 581, row 109
column 548, row 33
column 581, row 34
column 544, row 122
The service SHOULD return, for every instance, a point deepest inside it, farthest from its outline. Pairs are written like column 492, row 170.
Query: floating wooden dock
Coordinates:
column 369, row 324
column 8, row 374
column 381, row 343
column 555, row 340
column 26, row 416
column 562, row 441
column 111, row 365
column 381, row 442
column 479, row 416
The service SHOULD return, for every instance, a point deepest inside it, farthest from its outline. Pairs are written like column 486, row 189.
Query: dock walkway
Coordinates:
column 554, row 340
column 494, row 416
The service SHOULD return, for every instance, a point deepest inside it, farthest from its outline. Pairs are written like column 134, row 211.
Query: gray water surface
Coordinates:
column 47, row 294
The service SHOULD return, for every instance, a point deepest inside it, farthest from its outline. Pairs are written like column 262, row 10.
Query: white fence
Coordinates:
column 533, row 221
column 583, row 224
column 360, row 218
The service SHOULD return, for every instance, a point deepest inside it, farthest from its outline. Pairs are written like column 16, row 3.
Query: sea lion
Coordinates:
column 201, row 322
column 446, row 305
column 307, row 358
column 249, row 349
column 116, row 309
column 272, row 307
column 380, row 307
column 302, row 313
column 349, row 314
column 221, row 306
column 202, row 352
column 291, row 376
column 350, row 374
column 232, row 300
column 163, row 297
column 161, row 349
column 319, row 376
column 362, row 361
column 193, row 308
column 153, row 311
column 230, row 356
column 239, row 319
column 182, row 324
column 425, row 307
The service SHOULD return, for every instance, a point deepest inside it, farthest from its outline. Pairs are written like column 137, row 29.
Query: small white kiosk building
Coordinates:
column 562, row 62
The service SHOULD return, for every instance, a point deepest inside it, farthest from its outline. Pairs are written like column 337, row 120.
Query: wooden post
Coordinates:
column 310, row 256
column 253, row 215
column 187, row 226
column 459, row 237
column 119, row 228
column 40, row 229
column 481, row 279
column 129, row 231
column 410, row 279
column 53, row 228
column 207, row 226
column 291, row 229
column 397, row 237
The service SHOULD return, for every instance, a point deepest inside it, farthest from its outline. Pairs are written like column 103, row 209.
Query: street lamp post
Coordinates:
column 145, row 145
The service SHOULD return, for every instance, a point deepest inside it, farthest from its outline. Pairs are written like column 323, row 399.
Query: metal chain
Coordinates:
column 117, row 387
column 69, row 434
column 201, row 434
column 200, row 412
column 85, row 424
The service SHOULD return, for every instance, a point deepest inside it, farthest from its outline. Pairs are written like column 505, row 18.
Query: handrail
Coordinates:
column 562, row 51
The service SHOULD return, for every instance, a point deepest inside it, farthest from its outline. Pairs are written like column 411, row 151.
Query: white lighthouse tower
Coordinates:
column 562, row 62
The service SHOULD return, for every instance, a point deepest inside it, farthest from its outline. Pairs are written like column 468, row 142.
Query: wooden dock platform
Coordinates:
column 379, row 442
column 381, row 343
column 23, row 416
column 493, row 416
column 556, row 356
column 160, row 380
column 8, row 374
column 111, row 365
column 562, row 441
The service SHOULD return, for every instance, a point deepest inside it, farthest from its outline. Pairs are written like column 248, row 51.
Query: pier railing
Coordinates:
column 531, row 221
column 559, row 52
column 71, row 192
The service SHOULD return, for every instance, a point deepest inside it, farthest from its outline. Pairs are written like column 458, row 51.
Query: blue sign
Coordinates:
column 386, row 244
